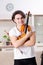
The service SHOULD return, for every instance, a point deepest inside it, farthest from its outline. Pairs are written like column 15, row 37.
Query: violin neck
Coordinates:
column 26, row 24
column 26, row 28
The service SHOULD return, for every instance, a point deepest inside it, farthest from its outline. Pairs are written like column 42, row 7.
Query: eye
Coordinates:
column 18, row 18
column 22, row 18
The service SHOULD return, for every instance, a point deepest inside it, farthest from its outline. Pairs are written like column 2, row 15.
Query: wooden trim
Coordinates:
column 38, row 15
column 5, row 20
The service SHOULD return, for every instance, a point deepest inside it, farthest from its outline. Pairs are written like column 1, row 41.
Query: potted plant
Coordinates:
column 7, row 38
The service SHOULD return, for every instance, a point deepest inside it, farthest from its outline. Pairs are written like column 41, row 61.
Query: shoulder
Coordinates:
column 32, row 28
column 12, row 31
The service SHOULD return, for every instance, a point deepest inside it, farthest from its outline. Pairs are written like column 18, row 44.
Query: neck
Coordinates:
column 21, row 28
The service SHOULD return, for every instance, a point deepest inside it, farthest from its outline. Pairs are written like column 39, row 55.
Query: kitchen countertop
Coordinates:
column 6, row 46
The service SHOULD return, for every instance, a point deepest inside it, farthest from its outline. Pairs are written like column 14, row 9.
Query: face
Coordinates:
column 19, row 20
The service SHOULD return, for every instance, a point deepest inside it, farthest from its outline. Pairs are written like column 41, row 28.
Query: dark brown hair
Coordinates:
column 18, row 12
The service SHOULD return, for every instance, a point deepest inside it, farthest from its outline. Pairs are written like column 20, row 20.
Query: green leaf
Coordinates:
column 4, row 36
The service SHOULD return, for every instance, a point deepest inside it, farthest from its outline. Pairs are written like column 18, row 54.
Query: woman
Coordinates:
column 23, row 48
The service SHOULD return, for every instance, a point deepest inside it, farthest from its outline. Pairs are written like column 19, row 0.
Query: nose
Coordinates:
column 20, row 19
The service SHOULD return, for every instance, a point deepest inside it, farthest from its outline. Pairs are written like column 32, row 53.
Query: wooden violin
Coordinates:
column 25, row 27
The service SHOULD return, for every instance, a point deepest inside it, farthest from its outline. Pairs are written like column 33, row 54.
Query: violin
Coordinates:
column 25, row 27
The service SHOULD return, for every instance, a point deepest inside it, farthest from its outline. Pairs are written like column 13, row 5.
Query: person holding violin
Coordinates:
column 22, row 41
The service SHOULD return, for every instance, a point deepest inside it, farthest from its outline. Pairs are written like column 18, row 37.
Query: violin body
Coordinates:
column 23, row 30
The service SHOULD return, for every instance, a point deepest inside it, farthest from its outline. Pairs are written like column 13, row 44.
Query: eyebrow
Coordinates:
column 21, row 17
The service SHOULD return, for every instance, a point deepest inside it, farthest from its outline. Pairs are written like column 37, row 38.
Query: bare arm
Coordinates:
column 32, row 40
column 17, row 43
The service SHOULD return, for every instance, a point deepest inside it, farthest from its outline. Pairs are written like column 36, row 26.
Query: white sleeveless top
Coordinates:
column 22, row 52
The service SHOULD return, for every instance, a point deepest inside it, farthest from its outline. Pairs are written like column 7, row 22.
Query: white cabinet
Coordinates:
column 38, row 22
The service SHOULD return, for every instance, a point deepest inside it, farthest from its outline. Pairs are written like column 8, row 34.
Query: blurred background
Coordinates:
column 7, row 7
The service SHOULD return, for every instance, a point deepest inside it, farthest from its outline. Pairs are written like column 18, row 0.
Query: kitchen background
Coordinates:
column 7, row 7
